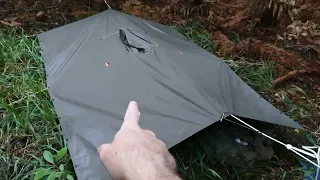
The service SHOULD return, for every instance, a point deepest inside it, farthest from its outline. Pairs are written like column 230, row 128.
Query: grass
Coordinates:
column 305, row 109
column 258, row 75
column 198, row 34
column 28, row 121
column 30, row 131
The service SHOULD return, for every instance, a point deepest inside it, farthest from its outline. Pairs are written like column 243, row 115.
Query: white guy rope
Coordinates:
column 307, row 150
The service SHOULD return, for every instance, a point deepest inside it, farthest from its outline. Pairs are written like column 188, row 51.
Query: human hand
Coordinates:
column 136, row 154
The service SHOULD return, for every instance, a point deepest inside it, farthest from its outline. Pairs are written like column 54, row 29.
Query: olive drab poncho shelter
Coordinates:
column 97, row 65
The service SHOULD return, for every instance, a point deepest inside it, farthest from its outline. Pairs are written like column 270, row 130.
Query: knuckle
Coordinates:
column 149, row 132
column 163, row 145
column 103, row 151
column 172, row 161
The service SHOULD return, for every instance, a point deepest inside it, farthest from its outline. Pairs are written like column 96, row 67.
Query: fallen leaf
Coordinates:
column 317, row 41
column 40, row 13
column 280, row 12
column 241, row 15
column 275, row 8
column 10, row 22
column 279, row 37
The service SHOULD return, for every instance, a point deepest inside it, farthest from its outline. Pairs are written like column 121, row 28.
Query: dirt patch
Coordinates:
column 223, row 43
column 37, row 16
column 19, row 146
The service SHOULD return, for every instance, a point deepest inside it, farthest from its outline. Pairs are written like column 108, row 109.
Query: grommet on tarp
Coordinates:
column 224, row 115
column 221, row 117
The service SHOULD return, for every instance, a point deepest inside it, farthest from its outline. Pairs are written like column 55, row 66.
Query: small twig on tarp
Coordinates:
column 288, row 76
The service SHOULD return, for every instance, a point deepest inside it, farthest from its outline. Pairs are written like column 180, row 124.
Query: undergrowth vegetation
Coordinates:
column 31, row 141
column 28, row 123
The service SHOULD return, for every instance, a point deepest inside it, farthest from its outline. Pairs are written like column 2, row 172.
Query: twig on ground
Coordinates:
column 107, row 4
column 293, row 74
column 287, row 76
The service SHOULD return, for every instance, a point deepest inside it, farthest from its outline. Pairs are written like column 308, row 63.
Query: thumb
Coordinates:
column 111, row 161
column 103, row 151
column 132, row 116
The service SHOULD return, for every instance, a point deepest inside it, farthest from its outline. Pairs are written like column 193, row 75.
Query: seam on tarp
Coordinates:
column 230, row 87
column 86, row 106
column 180, row 95
column 154, row 28
column 67, row 58
column 207, row 97
column 153, row 68
column 107, row 36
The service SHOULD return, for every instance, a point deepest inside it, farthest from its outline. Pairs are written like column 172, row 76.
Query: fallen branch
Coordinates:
column 288, row 76
column 10, row 22
column 293, row 74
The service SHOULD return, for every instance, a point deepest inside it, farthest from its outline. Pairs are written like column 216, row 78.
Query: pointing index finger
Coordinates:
column 132, row 116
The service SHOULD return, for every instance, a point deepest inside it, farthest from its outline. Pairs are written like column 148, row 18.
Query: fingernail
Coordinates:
column 133, row 103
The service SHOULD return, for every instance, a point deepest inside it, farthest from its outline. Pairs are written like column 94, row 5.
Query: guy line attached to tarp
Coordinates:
column 306, row 150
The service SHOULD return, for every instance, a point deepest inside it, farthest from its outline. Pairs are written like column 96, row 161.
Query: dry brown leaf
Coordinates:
column 237, row 18
column 40, row 13
column 275, row 8
column 270, row 3
column 298, row 30
column 280, row 12
column 290, row 15
column 279, row 37
column 10, row 22
column 316, row 41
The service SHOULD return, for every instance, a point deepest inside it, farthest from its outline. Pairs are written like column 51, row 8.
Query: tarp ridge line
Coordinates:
column 180, row 95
